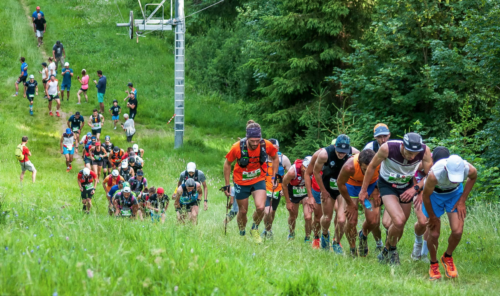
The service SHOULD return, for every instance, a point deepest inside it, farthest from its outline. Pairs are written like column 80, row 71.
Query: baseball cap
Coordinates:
column 68, row 131
column 343, row 144
column 89, row 134
column 107, row 138
column 440, row 152
column 140, row 173
column 455, row 166
column 135, row 147
column 191, row 167
column 115, row 173
column 115, row 101
column 190, row 183
column 130, row 84
column 77, row 113
column 124, row 164
column 98, row 143
column 306, row 161
column 93, row 138
column 32, row 76
column 381, row 130
column 160, row 190
column 131, row 159
column 126, row 189
column 38, row 7
column 274, row 142
column 116, row 149
column 413, row 142
column 66, row 64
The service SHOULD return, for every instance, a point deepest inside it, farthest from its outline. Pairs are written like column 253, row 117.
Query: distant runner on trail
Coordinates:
column 96, row 121
column 24, row 75
column 45, row 78
column 294, row 189
column 381, row 134
column 108, row 146
column 115, row 157
column 125, row 171
column 157, row 204
column 138, row 184
column 126, row 204
column 273, row 194
column 23, row 154
column 115, row 113
column 67, row 148
column 67, row 74
column 86, row 151
column 97, row 154
column 250, row 154
column 399, row 161
column 39, row 27
column 443, row 191
column 187, row 202
column 192, row 173
column 138, row 151
column 59, row 55
column 101, row 90
column 87, row 181
column 30, row 89
column 85, row 86
column 112, row 191
column 53, row 91
column 76, row 123
column 325, row 167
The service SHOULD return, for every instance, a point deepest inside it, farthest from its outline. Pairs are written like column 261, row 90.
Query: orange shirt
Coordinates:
column 253, row 173
column 357, row 179
column 269, row 179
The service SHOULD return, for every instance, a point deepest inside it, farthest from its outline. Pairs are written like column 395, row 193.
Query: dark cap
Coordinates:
column 58, row 42
column 343, row 144
column 140, row 173
column 116, row 149
column 130, row 84
column 413, row 142
column 131, row 159
column 274, row 142
column 381, row 130
column 77, row 113
column 44, row 64
column 115, row 101
column 440, row 152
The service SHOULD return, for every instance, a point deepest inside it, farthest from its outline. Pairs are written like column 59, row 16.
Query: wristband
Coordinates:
column 206, row 200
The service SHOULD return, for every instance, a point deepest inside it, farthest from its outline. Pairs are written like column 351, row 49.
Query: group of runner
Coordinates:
column 398, row 174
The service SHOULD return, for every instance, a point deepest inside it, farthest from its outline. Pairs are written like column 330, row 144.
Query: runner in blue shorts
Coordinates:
column 443, row 191
column 115, row 112
column 67, row 147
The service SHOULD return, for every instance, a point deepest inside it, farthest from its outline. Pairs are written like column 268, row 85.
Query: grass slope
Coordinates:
column 48, row 246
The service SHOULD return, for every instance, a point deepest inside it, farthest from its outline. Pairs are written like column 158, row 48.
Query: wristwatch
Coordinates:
column 417, row 188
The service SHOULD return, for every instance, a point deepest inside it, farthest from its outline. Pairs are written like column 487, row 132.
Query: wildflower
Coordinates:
column 90, row 273
column 176, row 288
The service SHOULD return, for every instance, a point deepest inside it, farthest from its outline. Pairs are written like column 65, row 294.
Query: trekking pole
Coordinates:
column 224, row 189
column 278, row 181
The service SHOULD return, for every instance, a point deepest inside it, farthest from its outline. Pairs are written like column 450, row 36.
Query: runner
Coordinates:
column 97, row 154
column 126, row 172
column 86, row 181
column 111, row 180
column 381, row 134
column 59, row 55
column 349, row 183
column 138, row 184
column 85, row 86
column 52, row 67
column 30, row 89
column 87, row 138
column 295, row 192
column 45, row 78
column 273, row 193
column 313, row 204
column 157, row 204
column 53, row 91
column 399, row 161
column 36, row 12
column 108, row 146
column 135, row 162
column 132, row 104
column 326, row 164
column 186, row 201
column 249, row 175
column 67, row 149
column 96, row 121
column 112, row 191
column 39, row 27
column 138, row 152
column 24, row 75
column 115, row 157
column 115, row 112
column 76, row 123
column 443, row 191
column 191, row 173
column 126, row 204
column 66, row 73
column 23, row 154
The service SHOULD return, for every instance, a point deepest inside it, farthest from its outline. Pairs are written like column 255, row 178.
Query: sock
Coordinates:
column 418, row 239
column 425, row 250
column 31, row 107
column 242, row 232
column 17, row 93
column 380, row 243
column 385, row 251
column 435, row 262
column 316, row 237
column 84, row 207
column 391, row 248
column 254, row 226
column 364, row 237
column 326, row 236
column 446, row 255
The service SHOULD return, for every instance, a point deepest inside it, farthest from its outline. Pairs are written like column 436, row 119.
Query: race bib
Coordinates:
column 333, row 183
column 299, row 190
column 89, row 186
column 96, row 125
column 275, row 196
column 31, row 95
column 126, row 212
column 75, row 129
column 400, row 179
column 247, row 176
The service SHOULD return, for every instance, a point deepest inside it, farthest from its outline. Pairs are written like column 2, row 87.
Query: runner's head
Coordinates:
column 305, row 163
column 38, row 9
column 24, row 139
column 124, row 164
column 131, row 161
column 412, row 145
column 115, row 173
column 191, row 168
column 32, row 78
column 107, row 139
column 84, row 72
column 93, row 139
column 51, row 59
column 152, row 190
column 126, row 184
column 254, row 134
column 115, row 103
column 381, row 133
column 120, row 184
column 439, row 153
column 95, row 112
column 455, row 166
column 125, row 116
column 99, row 73
column 140, row 175
column 52, row 78
column 116, row 149
column 77, row 114
column 135, row 147
column 130, row 149
column 130, row 85
column 66, row 65
column 275, row 143
column 98, row 145
column 89, row 134
column 44, row 64
column 22, row 59
column 342, row 146
column 68, row 131
column 131, row 95
column 86, row 171
column 364, row 159
column 160, row 191
column 39, row 16
column 126, row 192
column 190, row 184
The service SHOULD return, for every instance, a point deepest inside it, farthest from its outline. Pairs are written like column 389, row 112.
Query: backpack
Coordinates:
column 19, row 152
column 187, row 176
column 244, row 159
column 298, row 173
column 110, row 180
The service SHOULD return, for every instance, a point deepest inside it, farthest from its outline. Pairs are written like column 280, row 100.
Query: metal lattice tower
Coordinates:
column 180, row 33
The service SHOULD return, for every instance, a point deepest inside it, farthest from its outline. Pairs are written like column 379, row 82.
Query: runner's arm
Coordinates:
column 68, row 124
column 430, row 184
column 308, row 176
column 36, row 89
column 178, row 197
column 471, row 180
column 289, row 176
column 205, row 190
column 426, row 166
column 102, row 119
column 321, row 159
column 54, row 54
column 91, row 152
column 61, row 143
column 380, row 156
column 347, row 171
column 227, row 172
column 354, row 151
column 286, row 163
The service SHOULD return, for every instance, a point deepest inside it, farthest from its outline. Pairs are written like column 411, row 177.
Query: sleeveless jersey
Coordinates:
column 396, row 169
column 98, row 155
column 331, row 169
column 297, row 187
column 68, row 140
column 357, row 178
column 96, row 122
column 188, row 197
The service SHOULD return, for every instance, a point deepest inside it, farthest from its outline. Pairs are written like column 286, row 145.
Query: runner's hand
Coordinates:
column 81, row 189
column 417, row 203
column 310, row 202
column 351, row 211
column 461, row 209
column 289, row 206
column 228, row 191
column 434, row 223
column 376, row 201
column 62, row 151
column 205, row 206
column 325, row 195
column 363, row 194
column 229, row 205
column 408, row 195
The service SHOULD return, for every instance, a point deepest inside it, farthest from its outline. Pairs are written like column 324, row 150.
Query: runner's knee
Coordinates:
column 399, row 222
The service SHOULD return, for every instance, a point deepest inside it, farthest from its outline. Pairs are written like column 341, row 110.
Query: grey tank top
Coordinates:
column 396, row 169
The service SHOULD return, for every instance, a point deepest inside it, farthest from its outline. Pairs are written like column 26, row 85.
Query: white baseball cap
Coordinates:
column 32, row 76
column 306, row 161
column 126, row 189
column 124, row 164
column 115, row 173
column 135, row 147
column 191, row 167
column 66, row 64
column 455, row 166
column 86, row 171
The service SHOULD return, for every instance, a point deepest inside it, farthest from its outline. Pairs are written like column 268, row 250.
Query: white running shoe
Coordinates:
column 417, row 251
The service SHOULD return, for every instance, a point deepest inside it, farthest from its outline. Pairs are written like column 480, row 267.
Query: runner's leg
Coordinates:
column 78, row 96
column 340, row 219
column 307, row 218
column 457, row 228
column 259, row 197
column 316, row 224
column 350, row 227
column 292, row 217
column 194, row 214
column 398, row 219
column 326, row 219
column 242, row 213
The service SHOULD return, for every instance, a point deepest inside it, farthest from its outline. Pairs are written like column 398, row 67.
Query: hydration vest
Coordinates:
column 244, row 159
column 298, row 173
column 125, row 174
column 376, row 146
column 188, row 197
column 110, row 180
column 116, row 156
column 187, row 176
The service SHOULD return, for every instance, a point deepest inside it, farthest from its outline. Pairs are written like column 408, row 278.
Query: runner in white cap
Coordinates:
column 198, row 176
column 138, row 151
column 443, row 191
column 30, row 89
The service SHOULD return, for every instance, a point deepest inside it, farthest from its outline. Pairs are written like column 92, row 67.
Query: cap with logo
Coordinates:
column 66, row 64
column 455, row 166
column 32, row 76
column 107, row 138
column 124, row 164
column 115, row 173
column 343, row 144
column 413, row 142
column 126, row 189
column 381, row 130
column 98, row 143
column 190, row 183
column 116, row 149
column 140, row 173
column 274, row 142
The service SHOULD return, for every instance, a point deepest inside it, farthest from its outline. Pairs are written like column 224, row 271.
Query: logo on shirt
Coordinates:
column 332, row 163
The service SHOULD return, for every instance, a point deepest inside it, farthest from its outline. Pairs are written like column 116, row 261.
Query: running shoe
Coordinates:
column 383, row 257
column 267, row 234
column 115, row 127
column 337, row 248
column 380, row 246
column 363, row 245
column 255, row 235
column 291, row 236
column 434, row 273
column 70, row 166
column 417, row 251
column 307, row 240
column 449, row 267
column 78, row 103
column 58, row 114
column 325, row 242
column 394, row 258
column 31, row 112
column 67, row 169
column 316, row 243
column 51, row 114
column 15, row 95
column 242, row 232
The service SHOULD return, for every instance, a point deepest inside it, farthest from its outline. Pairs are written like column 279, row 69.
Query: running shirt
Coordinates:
column 68, row 140
column 26, row 153
column 96, row 122
column 136, row 185
column 30, row 87
column 76, row 122
column 439, row 171
column 52, row 89
column 115, row 110
column 253, row 172
column 124, row 202
column 45, row 74
column 52, row 69
column 126, row 174
column 85, row 82
column 297, row 187
column 189, row 197
column 108, row 147
column 110, row 181
column 373, row 145
column 198, row 176
column 98, row 155
column 395, row 169
column 113, row 190
column 116, row 157
column 284, row 165
column 24, row 70
column 156, row 202
column 357, row 178
column 39, row 23
column 331, row 169
column 66, row 76
column 86, row 179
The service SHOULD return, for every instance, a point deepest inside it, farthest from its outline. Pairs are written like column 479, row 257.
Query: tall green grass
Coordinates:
column 48, row 246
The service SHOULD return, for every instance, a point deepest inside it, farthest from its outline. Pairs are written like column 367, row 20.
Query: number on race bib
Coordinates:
column 400, row 179
column 247, row 176
column 333, row 183
column 76, row 128
column 31, row 95
column 89, row 186
column 299, row 190
column 276, row 194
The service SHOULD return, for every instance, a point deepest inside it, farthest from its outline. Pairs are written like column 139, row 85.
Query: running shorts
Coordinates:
column 442, row 202
column 96, row 131
column 100, row 97
column 317, row 196
column 87, row 193
column 98, row 162
column 355, row 190
column 275, row 201
column 22, row 79
column 387, row 188
column 244, row 191
column 30, row 97
column 87, row 160
column 65, row 87
column 105, row 163
column 68, row 151
column 53, row 97
column 187, row 207
column 297, row 193
column 27, row 166
column 117, row 117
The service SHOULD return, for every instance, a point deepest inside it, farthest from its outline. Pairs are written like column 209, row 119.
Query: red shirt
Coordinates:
column 26, row 153
column 88, row 179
